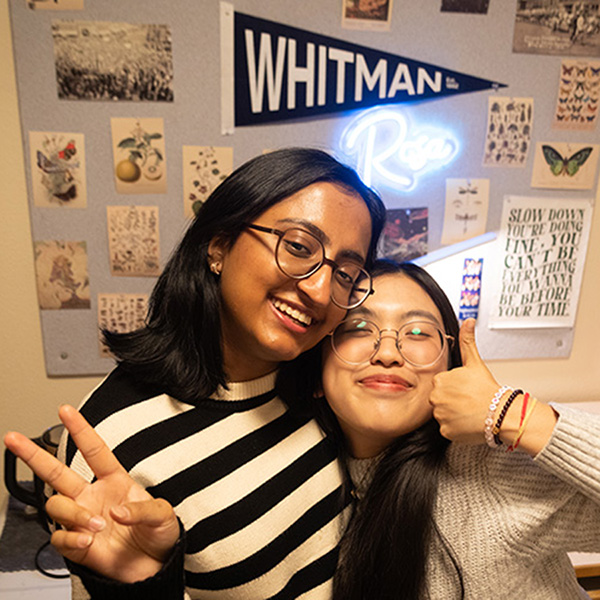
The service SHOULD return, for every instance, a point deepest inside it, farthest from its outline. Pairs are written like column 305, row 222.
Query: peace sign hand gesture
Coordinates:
column 113, row 525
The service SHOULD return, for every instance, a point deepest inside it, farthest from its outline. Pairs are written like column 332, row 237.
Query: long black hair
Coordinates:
column 180, row 348
column 384, row 549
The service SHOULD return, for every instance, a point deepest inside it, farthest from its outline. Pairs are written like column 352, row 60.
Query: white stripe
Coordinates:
column 121, row 425
column 249, row 476
column 275, row 580
column 259, row 533
column 186, row 452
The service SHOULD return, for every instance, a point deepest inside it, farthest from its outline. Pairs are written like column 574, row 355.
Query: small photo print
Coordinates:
column 557, row 27
column 561, row 165
column 133, row 240
column 120, row 313
column 405, row 233
column 55, row 4
column 470, row 289
column 57, row 169
column 373, row 15
column 466, row 209
column 204, row 168
column 509, row 126
column 578, row 95
column 62, row 274
column 465, row 6
column 139, row 155
column 98, row 60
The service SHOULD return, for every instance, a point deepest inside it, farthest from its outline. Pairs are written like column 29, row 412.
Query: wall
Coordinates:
column 30, row 398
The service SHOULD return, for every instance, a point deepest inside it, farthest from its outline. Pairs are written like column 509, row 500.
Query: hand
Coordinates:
column 461, row 397
column 113, row 525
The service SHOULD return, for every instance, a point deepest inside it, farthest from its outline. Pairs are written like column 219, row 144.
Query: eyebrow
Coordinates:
column 363, row 311
column 324, row 238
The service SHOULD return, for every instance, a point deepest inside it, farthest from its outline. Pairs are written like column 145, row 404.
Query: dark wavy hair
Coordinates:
column 384, row 549
column 180, row 349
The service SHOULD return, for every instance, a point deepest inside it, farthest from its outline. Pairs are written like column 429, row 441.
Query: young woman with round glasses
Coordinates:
column 192, row 413
column 434, row 519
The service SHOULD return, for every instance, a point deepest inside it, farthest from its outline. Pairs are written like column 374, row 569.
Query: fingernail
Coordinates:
column 121, row 512
column 97, row 523
column 84, row 540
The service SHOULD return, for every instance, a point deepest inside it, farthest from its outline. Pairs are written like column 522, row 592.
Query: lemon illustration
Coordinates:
column 128, row 171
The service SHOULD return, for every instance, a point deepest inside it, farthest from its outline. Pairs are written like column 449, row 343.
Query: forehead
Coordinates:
column 336, row 214
column 396, row 299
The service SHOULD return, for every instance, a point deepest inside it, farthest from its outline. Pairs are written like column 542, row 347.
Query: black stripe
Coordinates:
column 117, row 392
column 312, row 576
column 260, row 501
column 313, row 520
column 220, row 464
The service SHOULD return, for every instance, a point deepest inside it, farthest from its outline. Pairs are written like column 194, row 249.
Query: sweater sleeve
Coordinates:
column 573, row 452
column 167, row 583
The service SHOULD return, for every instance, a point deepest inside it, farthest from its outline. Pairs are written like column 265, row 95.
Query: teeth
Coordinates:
column 292, row 312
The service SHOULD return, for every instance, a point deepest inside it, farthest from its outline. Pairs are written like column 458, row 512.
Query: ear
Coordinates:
column 217, row 249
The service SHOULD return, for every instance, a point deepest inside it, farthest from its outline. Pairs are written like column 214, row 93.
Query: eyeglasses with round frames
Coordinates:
column 420, row 343
column 299, row 254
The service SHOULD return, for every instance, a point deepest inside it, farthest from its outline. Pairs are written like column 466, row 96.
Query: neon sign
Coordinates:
column 387, row 151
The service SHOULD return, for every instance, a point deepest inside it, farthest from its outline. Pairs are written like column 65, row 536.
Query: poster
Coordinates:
column 133, row 240
column 98, row 60
column 466, row 209
column 371, row 15
column 470, row 289
column 405, row 234
column 57, row 162
column 139, row 159
column 541, row 252
column 120, row 313
column 204, row 168
column 465, row 6
column 508, row 137
column 55, row 4
column 62, row 274
column 558, row 28
column 578, row 94
column 562, row 165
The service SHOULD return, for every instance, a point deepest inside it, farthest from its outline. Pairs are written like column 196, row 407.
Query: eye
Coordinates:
column 297, row 248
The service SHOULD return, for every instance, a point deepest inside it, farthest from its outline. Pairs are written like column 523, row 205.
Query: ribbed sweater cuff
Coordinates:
column 573, row 451
column 167, row 583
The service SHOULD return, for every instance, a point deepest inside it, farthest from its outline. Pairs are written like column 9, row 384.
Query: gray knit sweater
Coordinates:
column 510, row 520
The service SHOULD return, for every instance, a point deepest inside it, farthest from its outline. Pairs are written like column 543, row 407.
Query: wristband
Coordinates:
column 496, row 428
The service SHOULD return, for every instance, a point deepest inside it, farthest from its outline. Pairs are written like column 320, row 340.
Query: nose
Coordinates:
column 317, row 287
column 387, row 353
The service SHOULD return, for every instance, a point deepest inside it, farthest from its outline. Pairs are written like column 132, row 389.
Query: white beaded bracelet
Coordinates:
column 489, row 421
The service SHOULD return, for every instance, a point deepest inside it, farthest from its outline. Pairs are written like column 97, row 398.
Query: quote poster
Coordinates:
column 541, row 250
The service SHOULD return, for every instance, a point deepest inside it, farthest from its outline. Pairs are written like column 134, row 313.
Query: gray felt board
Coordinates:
column 479, row 45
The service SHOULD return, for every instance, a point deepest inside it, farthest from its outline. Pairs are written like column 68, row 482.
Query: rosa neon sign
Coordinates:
column 387, row 151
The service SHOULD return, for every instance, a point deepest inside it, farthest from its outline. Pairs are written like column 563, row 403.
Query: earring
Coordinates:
column 215, row 268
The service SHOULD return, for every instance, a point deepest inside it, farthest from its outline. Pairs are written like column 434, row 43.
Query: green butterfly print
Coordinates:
column 565, row 166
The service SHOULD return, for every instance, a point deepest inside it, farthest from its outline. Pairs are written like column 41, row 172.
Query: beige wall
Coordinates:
column 29, row 398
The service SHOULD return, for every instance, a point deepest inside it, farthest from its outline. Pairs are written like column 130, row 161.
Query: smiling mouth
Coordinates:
column 293, row 313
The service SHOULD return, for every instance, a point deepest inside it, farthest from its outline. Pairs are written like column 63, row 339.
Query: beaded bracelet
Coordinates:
column 496, row 428
column 489, row 420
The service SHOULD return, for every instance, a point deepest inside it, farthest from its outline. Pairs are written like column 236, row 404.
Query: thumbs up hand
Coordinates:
column 461, row 397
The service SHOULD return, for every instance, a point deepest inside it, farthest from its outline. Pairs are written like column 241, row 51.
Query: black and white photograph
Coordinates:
column 113, row 61
column 466, row 6
column 557, row 27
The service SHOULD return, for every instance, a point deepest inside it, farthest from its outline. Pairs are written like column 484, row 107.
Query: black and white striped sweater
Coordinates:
column 257, row 489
